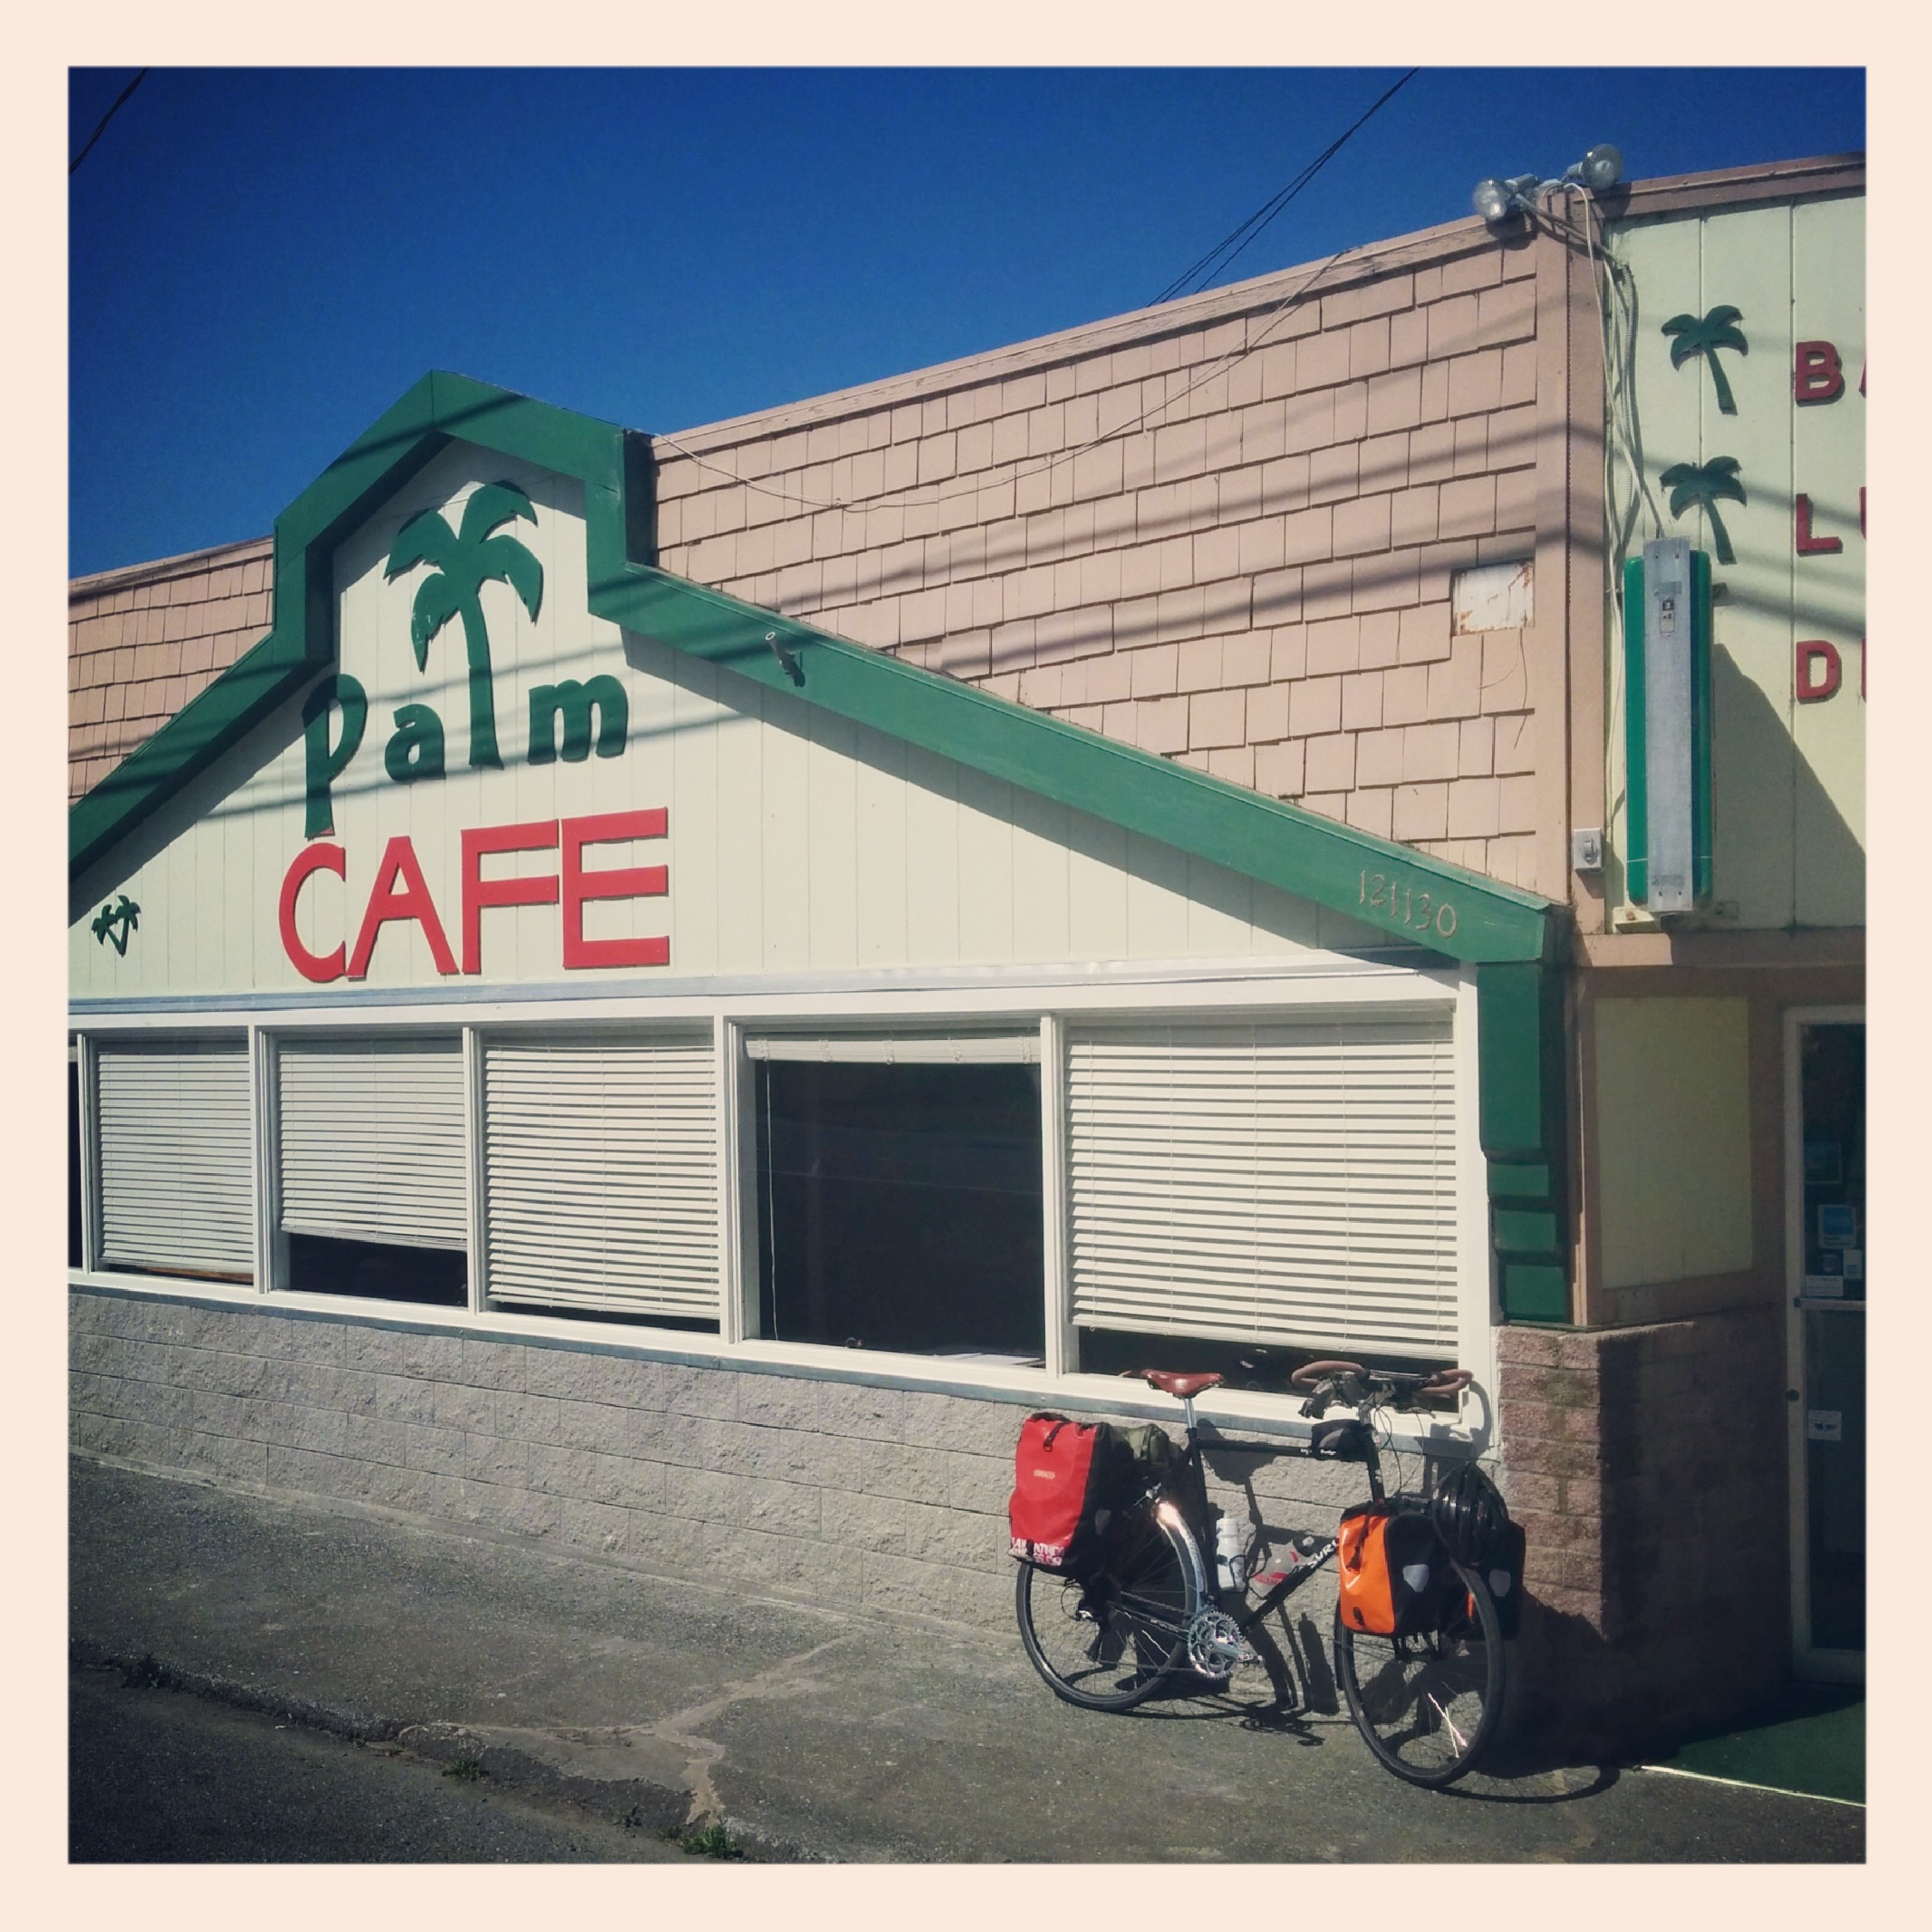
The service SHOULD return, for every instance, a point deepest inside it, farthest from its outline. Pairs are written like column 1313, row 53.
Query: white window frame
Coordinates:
column 268, row 1041
column 859, row 1002
column 86, row 1048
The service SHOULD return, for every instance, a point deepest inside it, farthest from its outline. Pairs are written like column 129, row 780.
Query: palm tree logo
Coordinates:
column 1717, row 331
column 463, row 563
column 1702, row 484
column 113, row 924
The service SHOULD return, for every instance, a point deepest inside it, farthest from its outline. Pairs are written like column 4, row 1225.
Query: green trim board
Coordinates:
column 1423, row 901
column 1521, row 1124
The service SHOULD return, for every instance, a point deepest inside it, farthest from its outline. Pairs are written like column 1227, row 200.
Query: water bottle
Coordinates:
column 1298, row 1551
column 1230, row 1552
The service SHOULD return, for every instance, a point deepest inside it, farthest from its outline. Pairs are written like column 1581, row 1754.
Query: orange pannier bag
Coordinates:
column 1391, row 1567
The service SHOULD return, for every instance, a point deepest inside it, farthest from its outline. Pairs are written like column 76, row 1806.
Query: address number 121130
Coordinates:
column 1421, row 912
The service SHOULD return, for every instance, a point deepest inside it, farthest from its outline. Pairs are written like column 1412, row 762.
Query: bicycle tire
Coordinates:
column 1427, row 1706
column 1109, row 1642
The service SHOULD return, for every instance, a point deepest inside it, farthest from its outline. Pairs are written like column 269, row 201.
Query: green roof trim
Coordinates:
column 1422, row 901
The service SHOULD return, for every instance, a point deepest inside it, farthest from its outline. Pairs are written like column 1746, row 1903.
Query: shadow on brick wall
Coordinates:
column 1647, row 1465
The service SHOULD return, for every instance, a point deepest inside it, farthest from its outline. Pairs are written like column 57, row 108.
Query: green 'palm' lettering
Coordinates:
column 1703, row 484
column 1717, row 331
column 463, row 562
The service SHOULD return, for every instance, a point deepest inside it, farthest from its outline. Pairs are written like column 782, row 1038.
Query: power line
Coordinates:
column 105, row 119
column 939, row 493
column 1224, row 251
column 1215, row 256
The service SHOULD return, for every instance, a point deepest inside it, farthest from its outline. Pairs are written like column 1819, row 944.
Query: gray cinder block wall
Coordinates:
column 837, row 1490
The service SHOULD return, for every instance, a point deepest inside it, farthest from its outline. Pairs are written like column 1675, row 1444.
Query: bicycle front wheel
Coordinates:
column 1107, row 1642
column 1427, row 1705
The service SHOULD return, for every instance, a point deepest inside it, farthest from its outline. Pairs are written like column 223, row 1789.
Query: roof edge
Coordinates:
column 1416, row 898
column 130, row 577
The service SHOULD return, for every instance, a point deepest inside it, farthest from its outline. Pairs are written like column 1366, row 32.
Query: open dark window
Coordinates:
column 899, row 1195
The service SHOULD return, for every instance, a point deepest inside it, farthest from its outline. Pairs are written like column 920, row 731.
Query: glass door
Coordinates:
column 1826, row 1249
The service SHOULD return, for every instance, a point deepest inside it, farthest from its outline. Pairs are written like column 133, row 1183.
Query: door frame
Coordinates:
column 1808, row 1661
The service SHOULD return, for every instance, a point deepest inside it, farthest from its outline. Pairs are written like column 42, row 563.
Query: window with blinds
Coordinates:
column 601, row 1174
column 176, row 1189
column 1277, row 1182
column 372, row 1139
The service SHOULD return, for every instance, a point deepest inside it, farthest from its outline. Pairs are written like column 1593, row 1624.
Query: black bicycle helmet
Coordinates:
column 1469, row 1514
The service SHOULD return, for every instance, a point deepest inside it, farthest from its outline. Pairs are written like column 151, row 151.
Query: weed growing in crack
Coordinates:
column 706, row 1841
column 465, row 1769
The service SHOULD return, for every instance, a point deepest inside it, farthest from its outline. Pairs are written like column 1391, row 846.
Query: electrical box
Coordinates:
column 1666, row 711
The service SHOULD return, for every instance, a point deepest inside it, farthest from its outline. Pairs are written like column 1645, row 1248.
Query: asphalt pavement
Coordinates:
column 792, row 1730
column 159, row 1777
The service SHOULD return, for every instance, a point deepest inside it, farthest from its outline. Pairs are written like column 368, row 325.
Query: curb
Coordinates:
column 632, row 1803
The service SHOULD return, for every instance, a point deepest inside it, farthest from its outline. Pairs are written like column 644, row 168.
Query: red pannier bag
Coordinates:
column 1066, row 1476
column 1391, row 1567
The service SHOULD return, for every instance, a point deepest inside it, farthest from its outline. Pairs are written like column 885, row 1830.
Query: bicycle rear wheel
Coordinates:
column 1107, row 1642
column 1427, row 1705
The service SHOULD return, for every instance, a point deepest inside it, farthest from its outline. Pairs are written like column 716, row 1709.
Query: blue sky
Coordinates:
column 262, row 260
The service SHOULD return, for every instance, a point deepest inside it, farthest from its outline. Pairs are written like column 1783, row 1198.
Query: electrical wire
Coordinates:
column 940, row 494
column 105, row 119
column 1217, row 258
column 1624, row 433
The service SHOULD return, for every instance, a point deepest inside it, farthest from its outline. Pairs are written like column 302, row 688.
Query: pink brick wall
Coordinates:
column 1251, row 572
column 1646, row 1466
column 142, row 642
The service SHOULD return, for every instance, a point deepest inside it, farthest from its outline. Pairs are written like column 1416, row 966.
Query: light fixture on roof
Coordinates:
column 1498, row 197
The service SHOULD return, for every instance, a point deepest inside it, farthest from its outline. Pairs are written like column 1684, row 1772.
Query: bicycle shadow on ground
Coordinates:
column 1511, row 1773
column 1302, row 1701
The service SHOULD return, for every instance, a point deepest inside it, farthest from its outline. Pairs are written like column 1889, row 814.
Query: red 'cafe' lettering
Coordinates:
column 401, row 893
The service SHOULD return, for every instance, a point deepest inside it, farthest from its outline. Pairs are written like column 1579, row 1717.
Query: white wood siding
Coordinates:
column 799, row 842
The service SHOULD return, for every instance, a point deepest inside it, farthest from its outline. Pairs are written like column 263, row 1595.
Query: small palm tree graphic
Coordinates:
column 1717, row 331
column 113, row 924
column 1702, row 484
column 464, row 561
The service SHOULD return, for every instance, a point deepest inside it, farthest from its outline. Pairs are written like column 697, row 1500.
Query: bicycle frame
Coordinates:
column 1184, row 1500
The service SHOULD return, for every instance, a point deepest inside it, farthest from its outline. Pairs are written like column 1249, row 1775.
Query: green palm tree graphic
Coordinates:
column 113, row 924
column 1702, row 484
column 1717, row 331
column 463, row 563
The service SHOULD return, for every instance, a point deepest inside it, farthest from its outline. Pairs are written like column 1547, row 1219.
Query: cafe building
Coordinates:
column 661, row 993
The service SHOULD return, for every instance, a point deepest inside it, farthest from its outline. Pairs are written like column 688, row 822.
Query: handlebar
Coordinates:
column 1329, row 1381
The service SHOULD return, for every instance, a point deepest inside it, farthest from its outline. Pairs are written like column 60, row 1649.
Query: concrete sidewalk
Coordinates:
column 812, row 1731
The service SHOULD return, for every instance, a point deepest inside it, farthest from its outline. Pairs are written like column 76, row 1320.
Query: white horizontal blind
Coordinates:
column 906, row 1049
column 1284, row 1182
column 600, row 1168
column 176, row 1179
column 372, row 1139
